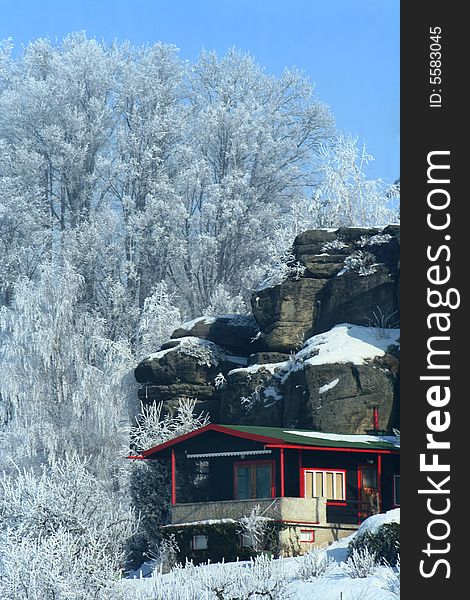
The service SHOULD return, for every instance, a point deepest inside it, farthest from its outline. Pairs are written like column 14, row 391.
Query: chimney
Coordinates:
column 375, row 424
column 376, row 418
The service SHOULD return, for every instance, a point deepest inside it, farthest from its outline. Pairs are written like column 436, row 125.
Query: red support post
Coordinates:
column 379, row 480
column 282, row 472
column 301, row 483
column 173, row 477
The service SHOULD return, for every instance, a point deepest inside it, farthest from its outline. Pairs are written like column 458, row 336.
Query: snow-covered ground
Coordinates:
column 335, row 584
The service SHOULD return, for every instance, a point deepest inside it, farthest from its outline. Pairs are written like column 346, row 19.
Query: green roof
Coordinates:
column 316, row 438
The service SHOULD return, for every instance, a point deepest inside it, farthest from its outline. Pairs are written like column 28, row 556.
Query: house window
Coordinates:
column 199, row 542
column 396, row 490
column 247, row 540
column 330, row 484
column 307, row 535
column 254, row 480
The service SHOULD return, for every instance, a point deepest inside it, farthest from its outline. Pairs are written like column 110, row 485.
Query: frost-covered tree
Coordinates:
column 150, row 480
column 345, row 196
column 62, row 533
column 249, row 139
column 159, row 318
column 65, row 383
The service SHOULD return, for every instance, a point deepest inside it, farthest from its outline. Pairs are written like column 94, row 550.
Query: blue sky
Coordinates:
column 349, row 48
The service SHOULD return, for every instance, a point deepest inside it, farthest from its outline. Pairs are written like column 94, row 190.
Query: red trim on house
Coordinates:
column 359, row 481
column 282, row 471
column 173, row 477
column 312, row 536
column 331, row 449
column 136, row 457
column 300, row 475
column 297, row 522
column 304, row 470
column 379, row 480
column 211, row 427
column 395, row 505
column 335, row 503
column 272, row 463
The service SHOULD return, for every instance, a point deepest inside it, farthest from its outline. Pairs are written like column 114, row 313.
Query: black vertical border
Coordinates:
column 425, row 129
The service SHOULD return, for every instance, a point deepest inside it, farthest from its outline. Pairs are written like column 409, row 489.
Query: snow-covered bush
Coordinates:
column 374, row 240
column 260, row 579
column 362, row 263
column 383, row 543
column 167, row 553
column 255, row 528
column 207, row 353
column 249, row 402
column 391, row 579
column 337, row 244
column 281, row 268
column 313, row 564
column 361, row 563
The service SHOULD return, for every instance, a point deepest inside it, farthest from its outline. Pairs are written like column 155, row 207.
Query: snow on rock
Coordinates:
column 270, row 367
column 188, row 325
column 328, row 386
column 158, row 355
column 347, row 343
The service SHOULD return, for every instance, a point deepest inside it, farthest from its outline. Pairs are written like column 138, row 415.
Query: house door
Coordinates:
column 368, row 492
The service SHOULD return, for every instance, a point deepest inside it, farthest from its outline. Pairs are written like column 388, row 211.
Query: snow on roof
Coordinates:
column 347, row 437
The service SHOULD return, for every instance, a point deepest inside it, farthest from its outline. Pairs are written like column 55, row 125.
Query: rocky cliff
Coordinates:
column 321, row 350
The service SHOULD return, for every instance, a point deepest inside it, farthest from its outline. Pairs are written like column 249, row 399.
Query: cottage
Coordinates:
column 312, row 488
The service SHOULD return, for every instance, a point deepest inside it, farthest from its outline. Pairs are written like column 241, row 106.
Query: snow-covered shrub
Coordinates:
column 207, row 353
column 249, row 402
column 374, row 240
column 362, row 263
column 390, row 579
column 337, row 244
column 167, row 554
column 255, row 528
column 259, row 579
column 313, row 564
column 361, row 563
column 384, row 543
column 220, row 381
column 282, row 267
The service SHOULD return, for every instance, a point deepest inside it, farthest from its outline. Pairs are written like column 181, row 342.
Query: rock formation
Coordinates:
column 320, row 351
